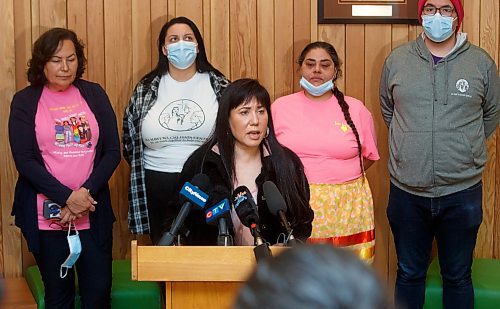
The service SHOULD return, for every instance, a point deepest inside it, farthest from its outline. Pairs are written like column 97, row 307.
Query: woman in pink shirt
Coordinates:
column 334, row 136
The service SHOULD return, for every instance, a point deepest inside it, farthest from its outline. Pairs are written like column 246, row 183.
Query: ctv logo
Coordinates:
column 194, row 194
column 217, row 210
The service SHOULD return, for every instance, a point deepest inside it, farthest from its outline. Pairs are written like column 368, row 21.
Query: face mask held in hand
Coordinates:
column 437, row 28
column 182, row 54
column 316, row 91
column 75, row 248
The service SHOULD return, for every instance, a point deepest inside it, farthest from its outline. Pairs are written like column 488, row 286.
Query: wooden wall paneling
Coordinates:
column 35, row 19
column 172, row 5
column 301, row 35
column 283, row 47
column 52, row 14
column 377, row 48
column 219, row 34
column 353, row 67
column 10, row 237
column 266, row 45
column 141, row 39
column 119, row 67
column 470, row 24
column 77, row 18
column 489, row 23
column 192, row 9
column 95, row 42
column 207, row 30
column 243, row 37
column 22, row 31
column 496, row 229
column 159, row 16
column 335, row 35
column 314, row 20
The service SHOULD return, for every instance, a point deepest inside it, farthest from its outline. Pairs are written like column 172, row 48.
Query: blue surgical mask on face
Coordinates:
column 316, row 91
column 182, row 54
column 437, row 28
column 75, row 248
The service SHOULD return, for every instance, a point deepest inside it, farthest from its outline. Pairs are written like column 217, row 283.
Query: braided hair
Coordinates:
column 336, row 92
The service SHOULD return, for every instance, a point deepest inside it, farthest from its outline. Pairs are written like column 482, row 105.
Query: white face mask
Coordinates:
column 75, row 248
column 316, row 91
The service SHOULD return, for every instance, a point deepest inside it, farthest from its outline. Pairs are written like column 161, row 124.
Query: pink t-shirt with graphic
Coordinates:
column 318, row 133
column 67, row 133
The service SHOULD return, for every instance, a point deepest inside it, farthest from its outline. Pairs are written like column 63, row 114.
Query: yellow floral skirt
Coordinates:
column 343, row 217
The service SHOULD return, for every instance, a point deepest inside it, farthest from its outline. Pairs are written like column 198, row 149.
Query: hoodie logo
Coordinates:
column 462, row 85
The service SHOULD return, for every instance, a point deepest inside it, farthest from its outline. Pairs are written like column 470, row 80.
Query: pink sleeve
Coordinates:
column 369, row 144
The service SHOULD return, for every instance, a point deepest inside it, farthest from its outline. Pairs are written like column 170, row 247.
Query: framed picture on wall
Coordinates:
column 367, row 11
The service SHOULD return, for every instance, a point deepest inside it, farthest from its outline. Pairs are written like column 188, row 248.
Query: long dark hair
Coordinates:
column 45, row 47
column 338, row 94
column 290, row 177
column 202, row 64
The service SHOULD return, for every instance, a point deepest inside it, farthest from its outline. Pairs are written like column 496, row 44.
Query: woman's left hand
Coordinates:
column 67, row 215
column 80, row 201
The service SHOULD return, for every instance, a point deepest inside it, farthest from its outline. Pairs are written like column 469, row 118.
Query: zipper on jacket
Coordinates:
column 434, row 101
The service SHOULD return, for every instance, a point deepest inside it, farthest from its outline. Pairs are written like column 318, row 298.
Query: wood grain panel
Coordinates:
column 22, row 31
column 159, row 16
column 266, row 43
column 35, row 19
column 470, row 24
column 354, row 62
column 219, row 33
column 314, row 20
column 496, row 230
column 378, row 47
column 206, row 26
column 77, row 18
column 301, row 35
column 52, row 14
column 141, row 39
column 119, row 68
column 283, row 47
column 10, row 238
column 243, row 36
column 96, row 69
column 193, row 10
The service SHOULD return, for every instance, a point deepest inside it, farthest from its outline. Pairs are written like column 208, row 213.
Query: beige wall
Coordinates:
column 243, row 38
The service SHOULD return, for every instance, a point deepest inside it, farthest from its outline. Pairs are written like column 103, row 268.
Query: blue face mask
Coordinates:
column 437, row 28
column 75, row 248
column 181, row 54
column 316, row 91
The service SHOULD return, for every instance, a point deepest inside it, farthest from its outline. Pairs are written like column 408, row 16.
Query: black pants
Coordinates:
column 161, row 192
column 93, row 267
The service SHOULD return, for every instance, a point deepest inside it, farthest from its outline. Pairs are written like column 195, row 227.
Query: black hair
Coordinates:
column 46, row 46
column 290, row 178
column 202, row 64
column 336, row 92
column 313, row 277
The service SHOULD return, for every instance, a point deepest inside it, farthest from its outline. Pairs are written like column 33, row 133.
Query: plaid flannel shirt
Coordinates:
column 140, row 103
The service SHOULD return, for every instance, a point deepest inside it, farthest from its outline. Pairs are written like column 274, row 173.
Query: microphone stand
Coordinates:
column 224, row 239
column 261, row 250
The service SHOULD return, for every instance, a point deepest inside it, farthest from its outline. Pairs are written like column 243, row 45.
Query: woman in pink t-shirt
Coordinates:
column 334, row 136
column 64, row 171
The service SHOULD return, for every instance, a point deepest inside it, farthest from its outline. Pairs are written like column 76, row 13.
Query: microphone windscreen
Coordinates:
column 202, row 181
column 274, row 199
column 245, row 207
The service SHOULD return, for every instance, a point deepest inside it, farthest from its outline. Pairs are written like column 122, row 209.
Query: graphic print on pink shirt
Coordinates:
column 66, row 132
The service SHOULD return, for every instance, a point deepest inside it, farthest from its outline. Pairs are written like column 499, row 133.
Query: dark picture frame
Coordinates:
column 341, row 12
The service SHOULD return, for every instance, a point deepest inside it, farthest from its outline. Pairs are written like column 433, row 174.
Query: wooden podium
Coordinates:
column 195, row 276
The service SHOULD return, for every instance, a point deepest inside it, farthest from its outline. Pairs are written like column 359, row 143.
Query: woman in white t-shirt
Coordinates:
column 170, row 114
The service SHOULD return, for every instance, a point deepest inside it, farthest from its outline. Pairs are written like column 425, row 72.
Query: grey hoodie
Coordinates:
column 439, row 116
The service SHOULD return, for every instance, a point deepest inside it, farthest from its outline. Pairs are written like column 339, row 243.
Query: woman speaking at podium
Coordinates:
column 243, row 151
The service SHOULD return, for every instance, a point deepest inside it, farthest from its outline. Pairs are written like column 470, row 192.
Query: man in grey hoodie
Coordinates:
column 439, row 97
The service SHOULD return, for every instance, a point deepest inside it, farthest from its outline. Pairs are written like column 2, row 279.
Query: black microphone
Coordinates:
column 277, row 206
column 245, row 208
column 219, row 215
column 190, row 195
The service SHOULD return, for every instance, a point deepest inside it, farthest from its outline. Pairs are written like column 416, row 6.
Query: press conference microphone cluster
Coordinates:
column 277, row 206
column 219, row 215
column 245, row 208
column 191, row 194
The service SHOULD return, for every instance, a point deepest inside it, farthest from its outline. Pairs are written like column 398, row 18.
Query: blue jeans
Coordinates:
column 454, row 221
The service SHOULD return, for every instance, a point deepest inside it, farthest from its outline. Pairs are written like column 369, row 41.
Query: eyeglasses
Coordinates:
column 444, row 10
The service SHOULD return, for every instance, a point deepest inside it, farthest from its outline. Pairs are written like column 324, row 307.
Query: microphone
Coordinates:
column 190, row 195
column 245, row 208
column 218, row 215
column 277, row 206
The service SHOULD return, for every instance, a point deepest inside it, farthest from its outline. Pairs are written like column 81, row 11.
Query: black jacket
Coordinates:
column 210, row 164
column 34, row 177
